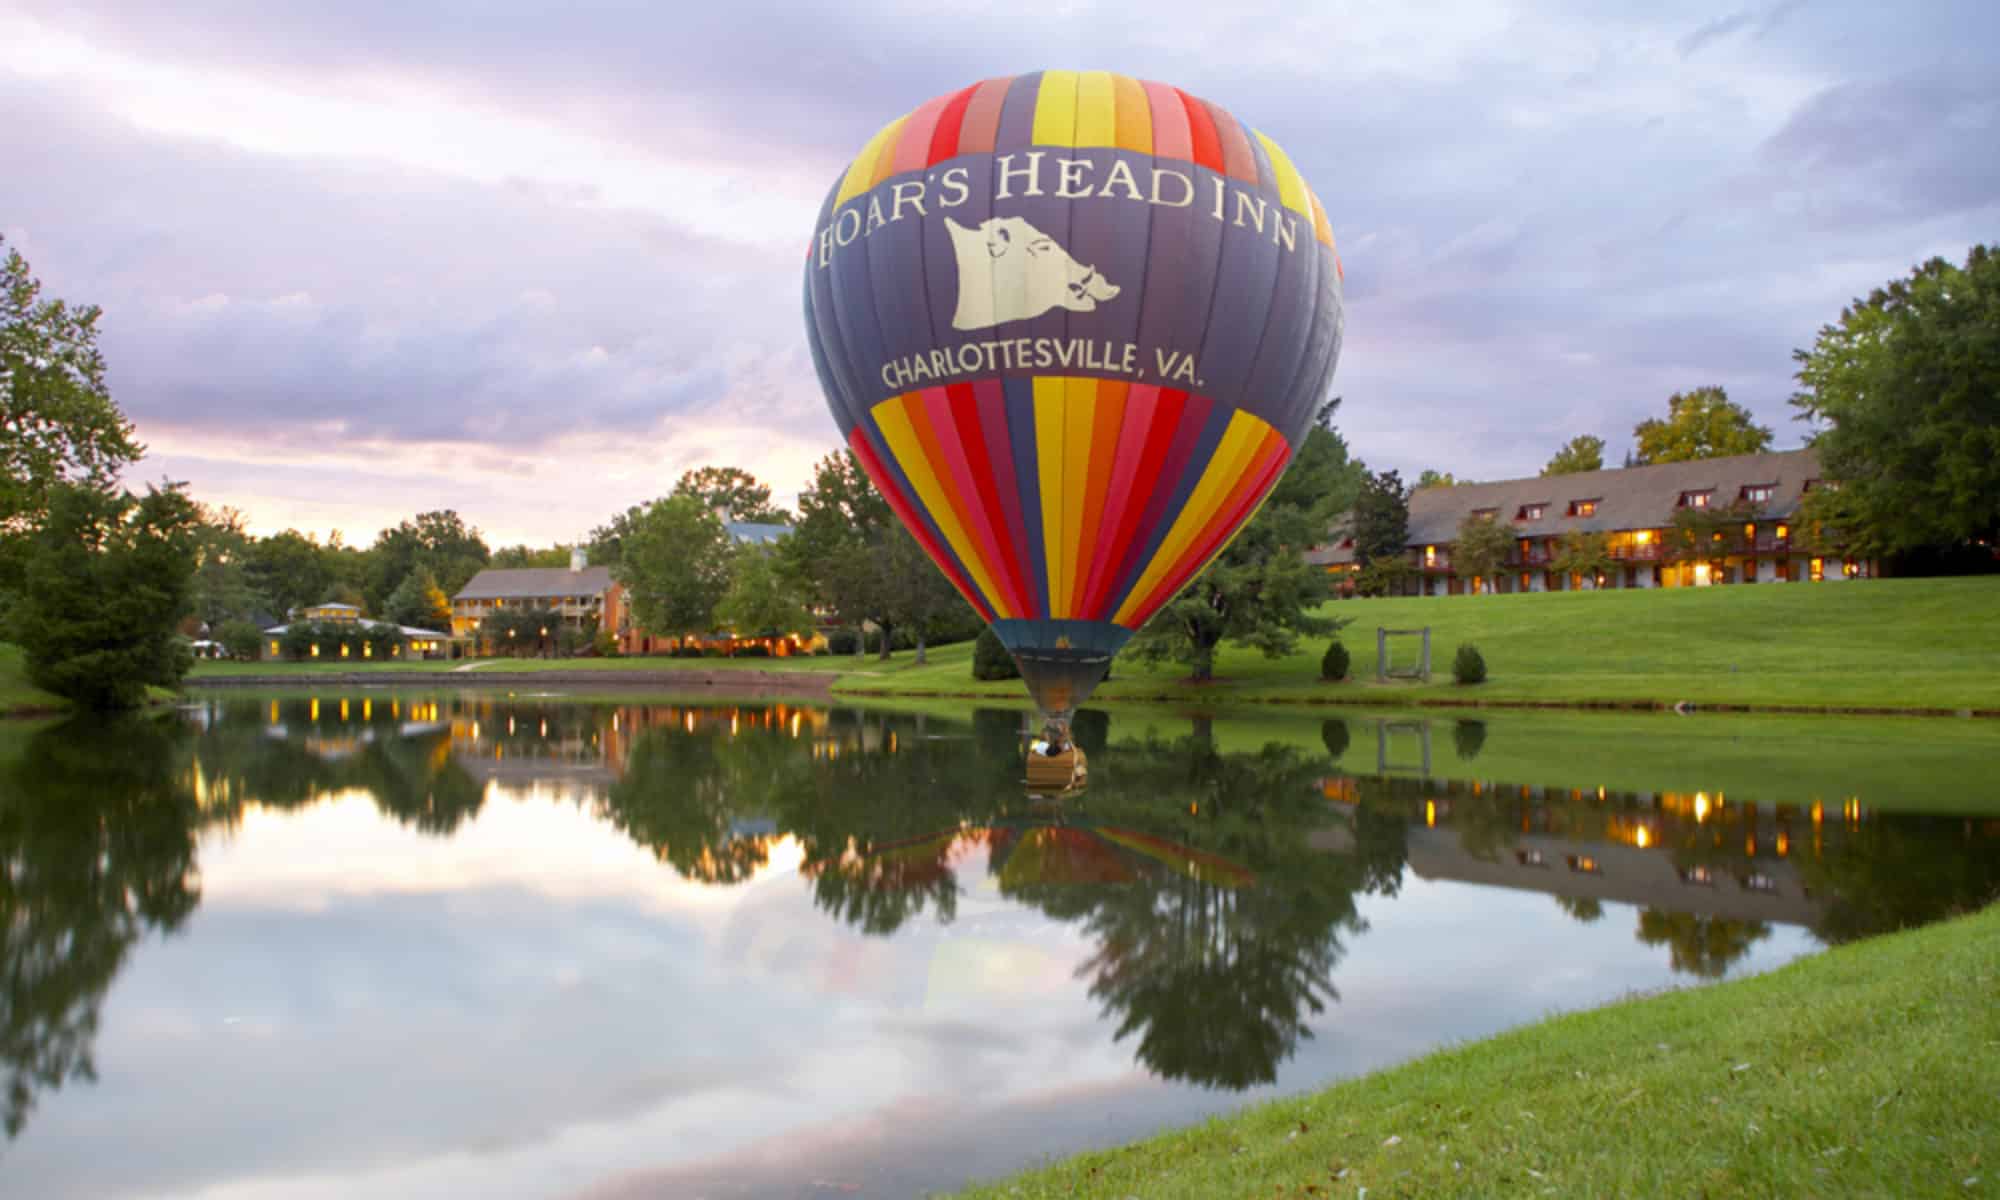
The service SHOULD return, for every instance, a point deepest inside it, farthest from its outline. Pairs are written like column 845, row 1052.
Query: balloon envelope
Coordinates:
column 1074, row 326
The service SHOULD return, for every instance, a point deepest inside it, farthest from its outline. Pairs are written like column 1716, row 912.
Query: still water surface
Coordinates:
column 406, row 944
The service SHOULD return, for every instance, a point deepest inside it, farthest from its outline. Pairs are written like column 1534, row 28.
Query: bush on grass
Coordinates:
column 1467, row 666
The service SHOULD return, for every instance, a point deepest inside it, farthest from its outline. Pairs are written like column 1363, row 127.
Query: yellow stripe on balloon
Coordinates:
column 1135, row 115
column 1049, row 396
column 1096, row 110
column 1079, row 418
column 861, row 172
column 1291, row 188
column 1225, row 469
column 1055, row 110
column 885, row 154
column 893, row 418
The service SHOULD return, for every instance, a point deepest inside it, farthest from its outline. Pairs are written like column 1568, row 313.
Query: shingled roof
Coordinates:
column 534, row 583
column 1629, row 498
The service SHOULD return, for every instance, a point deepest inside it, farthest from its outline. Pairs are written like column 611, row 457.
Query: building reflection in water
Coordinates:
column 1216, row 888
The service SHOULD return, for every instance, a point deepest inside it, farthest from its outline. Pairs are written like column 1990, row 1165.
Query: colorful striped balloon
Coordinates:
column 1073, row 325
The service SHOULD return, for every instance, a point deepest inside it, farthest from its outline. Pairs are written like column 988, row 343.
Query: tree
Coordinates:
column 1907, row 387
column 526, row 556
column 1710, row 534
column 1587, row 555
column 1433, row 478
column 105, row 581
column 418, row 601
column 735, row 492
column 222, row 587
column 440, row 542
column 675, row 565
column 919, row 597
column 290, row 570
column 1259, row 591
column 1581, row 453
column 240, row 638
column 58, row 423
column 1702, row 423
column 1481, row 549
column 1381, row 518
column 831, row 552
column 761, row 599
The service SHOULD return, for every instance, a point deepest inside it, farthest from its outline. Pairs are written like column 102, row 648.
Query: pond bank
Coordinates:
column 751, row 684
column 1865, row 1070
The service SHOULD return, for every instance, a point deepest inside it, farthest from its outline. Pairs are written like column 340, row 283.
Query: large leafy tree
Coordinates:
column 919, row 598
column 675, row 563
column 1581, row 453
column 1381, row 518
column 1585, row 554
column 418, row 601
column 835, row 551
column 289, row 569
column 529, row 556
column 1481, row 549
column 223, row 591
column 1907, row 388
column 762, row 598
column 735, row 492
column 1433, row 477
column 1701, row 423
column 440, row 542
column 105, row 581
column 58, row 423
column 1260, row 591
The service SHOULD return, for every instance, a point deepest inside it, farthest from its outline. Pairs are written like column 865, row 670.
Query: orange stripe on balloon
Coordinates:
column 885, row 156
column 1079, row 407
column 1321, row 230
column 1168, row 114
column 1124, row 494
column 1135, row 115
column 982, row 116
column 1239, row 160
column 907, row 513
column 913, row 144
column 1108, row 422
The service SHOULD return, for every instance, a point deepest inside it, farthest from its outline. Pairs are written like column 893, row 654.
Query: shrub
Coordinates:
column 843, row 641
column 753, row 652
column 241, row 638
column 1333, row 664
column 1467, row 666
column 687, row 650
column 606, row 644
column 990, row 659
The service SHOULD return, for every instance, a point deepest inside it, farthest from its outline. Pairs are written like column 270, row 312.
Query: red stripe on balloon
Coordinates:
column 1222, row 526
column 944, row 139
column 1152, row 479
column 913, row 145
column 1239, row 158
column 957, row 427
column 929, row 412
column 1201, row 132
column 990, row 402
column 1126, row 495
column 885, row 483
column 982, row 116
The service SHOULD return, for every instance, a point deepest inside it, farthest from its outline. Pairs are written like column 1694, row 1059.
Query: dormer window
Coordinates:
column 1758, row 493
column 1485, row 514
column 1822, row 485
column 1583, row 508
column 1697, row 499
column 1531, row 512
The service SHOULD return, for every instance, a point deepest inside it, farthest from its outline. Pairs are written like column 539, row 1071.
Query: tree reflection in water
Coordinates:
column 97, row 848
column 1218, row 888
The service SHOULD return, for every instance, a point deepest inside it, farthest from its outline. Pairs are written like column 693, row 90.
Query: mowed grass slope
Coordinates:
column 1892, row 643
column 17, row 695
column 1870, row 1070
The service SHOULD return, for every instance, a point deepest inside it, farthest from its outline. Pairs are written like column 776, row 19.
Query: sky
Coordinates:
column 532, row 261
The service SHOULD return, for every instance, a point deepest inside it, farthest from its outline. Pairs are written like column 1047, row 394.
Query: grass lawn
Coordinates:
column 1870, row 1070
column 1893, row 643
column 217, row 669
column 17, row 695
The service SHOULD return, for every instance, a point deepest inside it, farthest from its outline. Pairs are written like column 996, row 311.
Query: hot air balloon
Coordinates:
column 1074, row 326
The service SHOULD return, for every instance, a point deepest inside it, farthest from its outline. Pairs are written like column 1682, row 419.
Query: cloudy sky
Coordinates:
column 531, row 261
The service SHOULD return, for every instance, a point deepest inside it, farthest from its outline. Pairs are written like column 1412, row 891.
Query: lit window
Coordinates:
column 1530, row 858
column 1644, row 537
column 1696, row 499
column 1757, row 881
column 1531, row 512
column 315, row 650
column 1583, row 864
column 1430, row 556
column 1849, row 568
column 1758, row 492
column 1784, row 531
column 1818, row 569
column 1698, row 876
column 1583, row 508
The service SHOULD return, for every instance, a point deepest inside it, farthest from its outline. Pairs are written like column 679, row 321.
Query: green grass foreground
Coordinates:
column 18, row 697
column 1871, row 644
column 1869, row 1070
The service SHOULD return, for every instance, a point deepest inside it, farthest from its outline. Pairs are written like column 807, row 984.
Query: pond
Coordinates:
column 402, row 943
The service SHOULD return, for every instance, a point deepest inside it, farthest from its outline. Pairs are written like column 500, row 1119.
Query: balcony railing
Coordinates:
column 1650, row 552
column 1771, row 544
